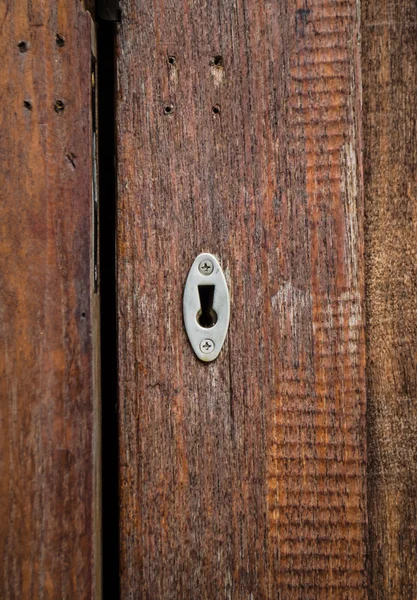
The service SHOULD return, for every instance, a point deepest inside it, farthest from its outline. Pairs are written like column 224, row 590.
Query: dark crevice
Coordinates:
column 107, row 199
column 108, row 10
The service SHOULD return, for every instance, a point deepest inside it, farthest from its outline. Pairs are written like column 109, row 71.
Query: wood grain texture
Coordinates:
column 390, row 160
column 243, row 478
column 49, row 437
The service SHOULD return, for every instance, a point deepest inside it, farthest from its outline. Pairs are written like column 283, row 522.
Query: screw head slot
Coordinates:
column 206, row 267
column 207, row 346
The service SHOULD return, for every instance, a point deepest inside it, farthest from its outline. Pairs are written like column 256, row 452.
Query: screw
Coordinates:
column 207, row 346
column 206, row 267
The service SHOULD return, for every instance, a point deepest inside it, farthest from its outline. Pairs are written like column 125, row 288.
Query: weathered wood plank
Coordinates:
column 390, row 166
column 238, row 134
column 49, row 484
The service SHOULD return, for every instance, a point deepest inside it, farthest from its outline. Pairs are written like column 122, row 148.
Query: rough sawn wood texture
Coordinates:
column 49, row 542
column 244, row 478
column 389, row 49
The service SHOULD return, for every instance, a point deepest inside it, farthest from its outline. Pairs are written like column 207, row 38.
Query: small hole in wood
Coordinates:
column 60, row 40
column 23, row 46
column 216, row 109
column 83, row 315
column 217, row 61
column 27, row 104
column 169, row 109
column 171, row 60
column 59, row 106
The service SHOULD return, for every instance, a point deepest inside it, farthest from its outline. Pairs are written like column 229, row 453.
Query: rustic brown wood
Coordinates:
column 49, row 542
column 390, row 112
column 238, row 134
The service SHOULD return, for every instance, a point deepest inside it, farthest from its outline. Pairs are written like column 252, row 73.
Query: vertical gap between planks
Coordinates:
column 110, row 444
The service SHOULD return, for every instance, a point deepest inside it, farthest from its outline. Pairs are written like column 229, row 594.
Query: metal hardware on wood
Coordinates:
column 207, row 346
column 206, row 267
column 206, row 307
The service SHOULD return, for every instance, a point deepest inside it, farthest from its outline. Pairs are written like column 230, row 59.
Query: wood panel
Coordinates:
column 49, row 542
column 238, row 134
column 390, row 161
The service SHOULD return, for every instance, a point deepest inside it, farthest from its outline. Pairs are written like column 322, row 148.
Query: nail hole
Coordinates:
column 59, row 106
column 60, row 40
column 23, row 46
column 27, row 104
column 216, row 109
column 169, row 109
column 171, row 60
column 217, row 61
column 83, row 315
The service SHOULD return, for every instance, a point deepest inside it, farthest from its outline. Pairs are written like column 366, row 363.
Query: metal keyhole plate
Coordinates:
column 206, row 307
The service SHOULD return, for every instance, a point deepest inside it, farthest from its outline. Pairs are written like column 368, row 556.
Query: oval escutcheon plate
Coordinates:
column 206, row 307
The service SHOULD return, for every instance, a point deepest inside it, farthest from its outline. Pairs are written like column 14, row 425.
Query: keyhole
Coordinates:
column 206, row 316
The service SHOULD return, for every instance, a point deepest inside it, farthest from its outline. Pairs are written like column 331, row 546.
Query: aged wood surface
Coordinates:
column 238, row 134
column 49, row 467
column 389, row 50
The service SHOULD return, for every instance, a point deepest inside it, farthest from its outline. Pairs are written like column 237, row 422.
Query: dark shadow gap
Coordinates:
column 107, row 200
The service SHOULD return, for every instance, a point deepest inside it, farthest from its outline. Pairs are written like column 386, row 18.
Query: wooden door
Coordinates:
column 238, row 133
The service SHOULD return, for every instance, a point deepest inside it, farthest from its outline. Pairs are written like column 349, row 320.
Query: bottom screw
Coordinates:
column 207, row 346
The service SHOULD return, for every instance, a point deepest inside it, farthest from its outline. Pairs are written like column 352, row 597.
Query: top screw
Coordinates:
column 205, row 267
